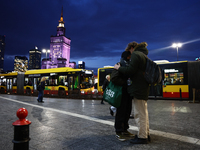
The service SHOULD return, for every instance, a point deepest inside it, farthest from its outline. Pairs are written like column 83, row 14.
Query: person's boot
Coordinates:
column 137, row 140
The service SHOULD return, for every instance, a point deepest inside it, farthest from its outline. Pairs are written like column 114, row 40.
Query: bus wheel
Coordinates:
column 28, row 91
column 2, row 91
column 61, row 93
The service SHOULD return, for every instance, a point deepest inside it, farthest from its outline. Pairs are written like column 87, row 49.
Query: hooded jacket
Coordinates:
column 139, row 87
column 117, row 77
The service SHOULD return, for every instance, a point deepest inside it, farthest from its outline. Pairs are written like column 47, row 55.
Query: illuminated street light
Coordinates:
column 46, row 51
column 177, row 45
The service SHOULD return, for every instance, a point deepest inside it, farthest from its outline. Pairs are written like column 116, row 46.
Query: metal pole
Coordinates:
column 46, row 59
column 193, row 89
column 177, row 53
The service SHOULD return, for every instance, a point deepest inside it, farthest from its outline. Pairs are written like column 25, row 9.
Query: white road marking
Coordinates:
column 155, row 132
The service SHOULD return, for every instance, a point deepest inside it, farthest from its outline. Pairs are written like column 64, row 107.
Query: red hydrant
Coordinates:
column 21, row 131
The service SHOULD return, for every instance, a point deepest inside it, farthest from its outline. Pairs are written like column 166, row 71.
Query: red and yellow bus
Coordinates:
column 102, row 72
column 6, row 83
column 59, row 81
column 178, row 79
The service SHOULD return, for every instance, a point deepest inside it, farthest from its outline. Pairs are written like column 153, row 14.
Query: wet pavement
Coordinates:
column 74, row 124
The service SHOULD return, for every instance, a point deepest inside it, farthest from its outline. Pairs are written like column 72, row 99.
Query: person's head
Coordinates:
column 108, row 77
column 131, row 46
column 43, row 79
column 126, row 55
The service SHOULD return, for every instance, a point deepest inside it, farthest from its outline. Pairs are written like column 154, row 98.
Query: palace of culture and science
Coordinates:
column 59, row 55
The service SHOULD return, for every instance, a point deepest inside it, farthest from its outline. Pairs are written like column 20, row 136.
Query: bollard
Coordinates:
column 193, row 89
column 21, row 131
column 180, row 94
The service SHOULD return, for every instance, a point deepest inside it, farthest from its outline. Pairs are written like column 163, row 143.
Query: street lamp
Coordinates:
column 46, row 51
column 177, row 45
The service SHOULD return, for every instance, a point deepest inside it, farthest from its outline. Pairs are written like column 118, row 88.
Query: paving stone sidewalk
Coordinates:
column 71, row 124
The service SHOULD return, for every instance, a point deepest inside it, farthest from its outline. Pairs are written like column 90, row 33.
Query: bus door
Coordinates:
column 73, row 82
column 35, row 83
column 9, row 85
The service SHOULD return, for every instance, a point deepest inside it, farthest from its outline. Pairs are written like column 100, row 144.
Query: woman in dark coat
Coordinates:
column 124, row 110
column 41, row 88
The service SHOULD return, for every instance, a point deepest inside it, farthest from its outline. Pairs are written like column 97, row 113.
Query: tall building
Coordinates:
column 34, row 59
column 2, row 51
column 59, row 49
column 81, row 65
column 20, row 63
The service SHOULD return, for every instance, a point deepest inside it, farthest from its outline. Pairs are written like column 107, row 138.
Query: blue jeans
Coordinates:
column 40, row 95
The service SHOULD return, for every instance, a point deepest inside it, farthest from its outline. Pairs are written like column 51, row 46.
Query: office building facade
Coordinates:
column 2, row 51
column 21, row 63
column 81, row 65
column 34, row 59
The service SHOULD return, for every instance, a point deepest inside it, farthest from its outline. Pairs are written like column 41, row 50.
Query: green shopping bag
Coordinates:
column 113, row 94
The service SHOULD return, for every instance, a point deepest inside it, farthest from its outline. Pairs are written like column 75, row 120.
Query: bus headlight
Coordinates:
column 82, row 92
column 95, row 91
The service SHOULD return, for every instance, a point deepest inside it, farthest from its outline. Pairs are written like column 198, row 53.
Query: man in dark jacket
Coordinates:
column 139, row 89
column 41, row 90
column 124, row 110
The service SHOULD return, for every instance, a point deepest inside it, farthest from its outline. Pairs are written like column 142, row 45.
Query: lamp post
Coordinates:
column 177, row 45
column 46, row 51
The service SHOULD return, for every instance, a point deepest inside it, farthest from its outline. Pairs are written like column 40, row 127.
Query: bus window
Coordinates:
column 73, row 82
column 9, row 84
column 102, row 74
column 62, row 80
column 70, row 83
column 28, row 81
column 47, row 81
column 53, row 82
column 66, row 82
column 3, row 82
column 173, row 76
column 86, row 82
column 76, row 84
column 35, row 83
column 14, row 81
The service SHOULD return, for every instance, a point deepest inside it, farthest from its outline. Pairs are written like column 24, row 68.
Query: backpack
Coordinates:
column 152, row 72
column 39, row 87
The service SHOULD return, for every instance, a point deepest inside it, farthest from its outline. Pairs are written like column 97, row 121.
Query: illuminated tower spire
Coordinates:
column 61, row 27
column 61, row 22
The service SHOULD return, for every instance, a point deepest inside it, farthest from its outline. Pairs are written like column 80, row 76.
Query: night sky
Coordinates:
column 101, row 29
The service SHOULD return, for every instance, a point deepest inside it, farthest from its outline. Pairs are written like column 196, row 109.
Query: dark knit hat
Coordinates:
column 125, row 54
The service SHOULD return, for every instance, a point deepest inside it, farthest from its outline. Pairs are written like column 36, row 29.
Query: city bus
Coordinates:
column 102, row 72
column 59, row 81
column 179, row 78
column 6, row 83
